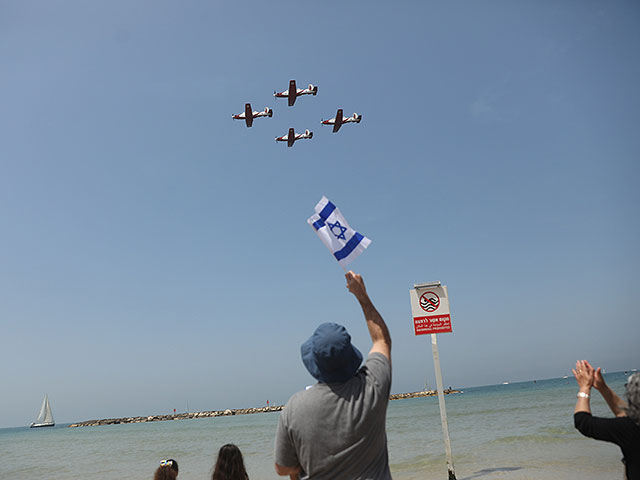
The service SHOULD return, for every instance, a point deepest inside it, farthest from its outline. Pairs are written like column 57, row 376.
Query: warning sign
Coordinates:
column 429, row 301
column 430, row 310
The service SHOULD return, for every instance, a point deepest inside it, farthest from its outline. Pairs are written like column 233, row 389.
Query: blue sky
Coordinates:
column 155, row 252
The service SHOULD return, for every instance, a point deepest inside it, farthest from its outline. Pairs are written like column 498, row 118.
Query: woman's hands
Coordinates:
column 585, row 376
column 598, row 380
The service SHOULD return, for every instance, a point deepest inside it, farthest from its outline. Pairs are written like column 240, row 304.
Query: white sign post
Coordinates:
column 430, row 312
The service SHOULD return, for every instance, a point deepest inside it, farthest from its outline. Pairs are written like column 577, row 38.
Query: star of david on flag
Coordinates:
column 334, row 231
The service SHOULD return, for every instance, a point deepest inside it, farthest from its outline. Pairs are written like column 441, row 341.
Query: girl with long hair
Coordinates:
column 230, row 465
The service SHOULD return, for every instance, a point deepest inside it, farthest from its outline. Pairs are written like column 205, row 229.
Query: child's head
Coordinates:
column 230, row 465
column 168, row 470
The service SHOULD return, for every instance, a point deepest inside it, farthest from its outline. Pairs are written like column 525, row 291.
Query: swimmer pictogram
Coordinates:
column 430, row 309
column 429, row 301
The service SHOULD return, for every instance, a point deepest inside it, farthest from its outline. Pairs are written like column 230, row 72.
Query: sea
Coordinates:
column 510, row 431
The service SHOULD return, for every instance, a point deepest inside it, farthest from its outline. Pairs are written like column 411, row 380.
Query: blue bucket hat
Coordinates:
column 329, row 355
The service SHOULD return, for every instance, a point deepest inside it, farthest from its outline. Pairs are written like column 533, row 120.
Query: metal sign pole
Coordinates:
column 443, row 410
column 431, row 315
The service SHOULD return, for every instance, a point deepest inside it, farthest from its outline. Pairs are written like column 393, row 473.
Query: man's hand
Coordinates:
column 355, row 284
column 293, row 472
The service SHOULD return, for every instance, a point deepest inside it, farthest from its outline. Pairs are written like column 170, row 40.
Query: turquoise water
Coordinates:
column 517, row 431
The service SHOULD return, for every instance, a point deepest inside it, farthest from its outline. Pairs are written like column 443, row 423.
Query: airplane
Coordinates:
column 292, row 136
column 248, row 115
column 294, row 92
column 339, row 120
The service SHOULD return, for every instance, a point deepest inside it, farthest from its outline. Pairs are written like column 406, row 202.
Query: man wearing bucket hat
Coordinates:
column 336, row 428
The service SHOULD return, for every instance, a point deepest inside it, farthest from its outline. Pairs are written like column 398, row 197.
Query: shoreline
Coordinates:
column 227, row 412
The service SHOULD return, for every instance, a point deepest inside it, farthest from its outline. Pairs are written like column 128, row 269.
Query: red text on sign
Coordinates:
column 432, row 324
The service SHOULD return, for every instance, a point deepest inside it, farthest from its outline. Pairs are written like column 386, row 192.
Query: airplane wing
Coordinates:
column 338, row 124
column 248, row 114
column 293, row 93
column 291, row 138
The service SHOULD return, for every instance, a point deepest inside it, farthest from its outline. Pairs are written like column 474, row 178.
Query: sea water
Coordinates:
column 517, row 431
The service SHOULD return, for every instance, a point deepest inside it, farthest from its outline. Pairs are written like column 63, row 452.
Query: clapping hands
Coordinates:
column 585, row 375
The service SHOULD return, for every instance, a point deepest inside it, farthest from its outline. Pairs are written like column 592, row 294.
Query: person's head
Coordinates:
column 230, row 465
column 329, row 355
column 633, row 398
column 168, row 470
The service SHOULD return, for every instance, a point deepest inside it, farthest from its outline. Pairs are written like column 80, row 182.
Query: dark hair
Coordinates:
column 168, row 470
column 229, row 465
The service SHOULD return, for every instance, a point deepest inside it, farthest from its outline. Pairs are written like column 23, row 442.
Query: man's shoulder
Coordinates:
column 377, row 357
column 305, row 396
column 378, row 363
column 377, row 371
column 307, row 403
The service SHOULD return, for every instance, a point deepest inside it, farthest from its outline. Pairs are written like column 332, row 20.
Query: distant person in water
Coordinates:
column 168, row 470
column 230, row 465
column 624, row 429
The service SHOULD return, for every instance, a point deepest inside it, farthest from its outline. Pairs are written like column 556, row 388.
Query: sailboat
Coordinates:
column 45, row 417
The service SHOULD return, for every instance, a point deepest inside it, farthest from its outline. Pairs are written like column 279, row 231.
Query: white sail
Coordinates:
column 45, row 417
column 48, row 416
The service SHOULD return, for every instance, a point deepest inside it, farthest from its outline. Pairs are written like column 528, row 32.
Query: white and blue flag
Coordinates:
column 334, row 231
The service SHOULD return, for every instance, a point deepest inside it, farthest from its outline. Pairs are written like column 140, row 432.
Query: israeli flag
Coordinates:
column 334, row 231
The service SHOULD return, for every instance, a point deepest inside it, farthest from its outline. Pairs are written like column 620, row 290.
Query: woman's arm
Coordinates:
column 616, row 404
column 584, row 376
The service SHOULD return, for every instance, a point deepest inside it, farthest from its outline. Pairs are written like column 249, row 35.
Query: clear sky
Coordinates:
column 155, row 252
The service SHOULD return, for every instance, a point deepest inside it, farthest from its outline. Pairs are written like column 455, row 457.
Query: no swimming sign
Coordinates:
column 430, row 309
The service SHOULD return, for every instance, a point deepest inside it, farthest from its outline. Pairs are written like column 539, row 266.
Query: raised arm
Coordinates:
column 584, row 376
column 616, row 404
column 377, row 328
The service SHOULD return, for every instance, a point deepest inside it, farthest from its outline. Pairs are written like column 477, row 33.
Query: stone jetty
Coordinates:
column 224, row 413
column 177, row 416
column 424, row 393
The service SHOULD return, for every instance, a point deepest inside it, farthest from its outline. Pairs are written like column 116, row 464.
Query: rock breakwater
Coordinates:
column 424, row 393
column 224, row 413
column 177, row 416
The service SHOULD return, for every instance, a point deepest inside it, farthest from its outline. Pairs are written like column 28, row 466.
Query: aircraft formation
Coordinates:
column 291, row 95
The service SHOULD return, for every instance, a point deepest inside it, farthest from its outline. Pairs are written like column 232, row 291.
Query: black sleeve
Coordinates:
column 613, row 430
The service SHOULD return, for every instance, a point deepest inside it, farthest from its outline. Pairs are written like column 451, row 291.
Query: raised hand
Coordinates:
column 598, row 380
column 355, row 284
column 584, row 374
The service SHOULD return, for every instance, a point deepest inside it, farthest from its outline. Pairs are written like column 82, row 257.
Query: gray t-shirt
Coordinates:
column 337, row 430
